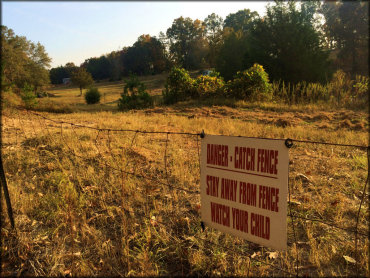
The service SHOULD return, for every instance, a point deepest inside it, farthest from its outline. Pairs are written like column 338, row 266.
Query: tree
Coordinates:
column 213, row 30
column 167, row 54
column 347, row 32
column 243, row 20
column 234, row 41
column 39, row 61
column 57, row 74
column 99, row 68
column 188, row 45
column 146, row 56
column 22, row 61
column 231, row 54
column 114, row 59
column 13, row 59
column 81, row 78
column 288, row 45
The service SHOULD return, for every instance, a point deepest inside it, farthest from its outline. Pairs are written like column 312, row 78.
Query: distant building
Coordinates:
column 66, row 81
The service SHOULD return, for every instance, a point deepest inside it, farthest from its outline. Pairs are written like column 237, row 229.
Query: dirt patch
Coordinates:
column 155, row 110
column 324, row 126
column 321, row 117
column 282, row 122
column 359, row 126
column 345, row 124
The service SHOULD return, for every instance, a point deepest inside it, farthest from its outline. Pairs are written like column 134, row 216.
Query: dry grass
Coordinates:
column 77, row 214
column 67, row 99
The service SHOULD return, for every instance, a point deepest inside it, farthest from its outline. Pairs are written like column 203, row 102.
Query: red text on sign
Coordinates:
column 228, row 189
column 217, row 154
column 260, row 226
column 220, row 214
column 212, row 185
column 268, row 198
column 267, row 161
column 247, row 193
column 240, row 220
column 244, row 158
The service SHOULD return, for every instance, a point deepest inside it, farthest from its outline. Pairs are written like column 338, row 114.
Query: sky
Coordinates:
column 76, row 31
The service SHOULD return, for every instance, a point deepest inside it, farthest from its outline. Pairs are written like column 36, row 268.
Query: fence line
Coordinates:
column 124, row 171
column 195, row 134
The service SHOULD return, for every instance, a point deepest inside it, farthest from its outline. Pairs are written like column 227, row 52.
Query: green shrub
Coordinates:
column 251, row 84
column 208, row 86
column 28, row 96
column 215, row 74
column 178, row 86
column 92, row 96
column 361, row 87
column 134, row 95
column 340, row 85
column 10, row 99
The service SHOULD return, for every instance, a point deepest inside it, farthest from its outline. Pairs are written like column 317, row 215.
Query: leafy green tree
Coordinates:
column 57, row 74
column 231, row 54
column 347, row 31
column 188, row 45
column 122, row 57
column 146, row 56
column 99, row 68
column 13, row 58
column 236, row 34
column 116, row 66
column 243, row 20
column 288, row 45
column 22, row 61
column 169, row 58
column 213, row 30
column 40, row 60
column 81, row 78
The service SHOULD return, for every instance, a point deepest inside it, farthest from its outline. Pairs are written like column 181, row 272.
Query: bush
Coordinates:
column 134, row 95
column 178, row 86
column 361, row 88
column 251, row 84
column 208, row 86
column 10, row 99
column 92, row 96
column 28, row 96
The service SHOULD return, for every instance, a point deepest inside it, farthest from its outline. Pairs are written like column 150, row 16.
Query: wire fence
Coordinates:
column 116, row 153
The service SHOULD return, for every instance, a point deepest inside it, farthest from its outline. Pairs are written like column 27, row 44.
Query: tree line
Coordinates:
column 294, row 42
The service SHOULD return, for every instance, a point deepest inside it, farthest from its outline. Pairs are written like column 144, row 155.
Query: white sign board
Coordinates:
column 244, row 186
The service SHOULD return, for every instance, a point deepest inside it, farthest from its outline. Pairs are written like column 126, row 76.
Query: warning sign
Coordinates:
column 244, row 185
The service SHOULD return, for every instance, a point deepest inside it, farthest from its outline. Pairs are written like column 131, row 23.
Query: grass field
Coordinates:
column 78, row 214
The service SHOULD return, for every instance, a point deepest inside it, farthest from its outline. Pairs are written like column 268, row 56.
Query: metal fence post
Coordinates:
column 6, row 192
